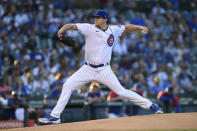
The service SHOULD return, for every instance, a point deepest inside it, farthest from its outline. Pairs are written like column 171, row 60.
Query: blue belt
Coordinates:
column 95, row 66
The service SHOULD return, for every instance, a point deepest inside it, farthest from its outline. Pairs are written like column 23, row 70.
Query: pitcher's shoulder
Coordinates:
column 84, row 24
column 116, row 26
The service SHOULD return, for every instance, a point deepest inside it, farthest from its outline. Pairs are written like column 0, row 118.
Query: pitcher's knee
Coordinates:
column 121, row 92
column 67, row 86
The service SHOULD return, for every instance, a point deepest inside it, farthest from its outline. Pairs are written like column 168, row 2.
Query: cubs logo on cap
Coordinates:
column 110, row 40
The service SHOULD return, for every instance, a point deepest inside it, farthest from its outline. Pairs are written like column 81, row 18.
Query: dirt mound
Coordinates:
column 146, row 122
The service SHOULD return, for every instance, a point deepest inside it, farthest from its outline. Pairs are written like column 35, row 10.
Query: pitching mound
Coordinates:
column 146, row 122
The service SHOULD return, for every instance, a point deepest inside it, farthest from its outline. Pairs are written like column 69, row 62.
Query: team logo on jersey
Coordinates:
column 110, row 40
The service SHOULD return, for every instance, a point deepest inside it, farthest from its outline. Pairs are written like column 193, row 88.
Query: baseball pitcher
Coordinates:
column 99, row 41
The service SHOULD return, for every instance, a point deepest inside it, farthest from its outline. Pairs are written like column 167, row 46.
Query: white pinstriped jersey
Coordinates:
column 99, row 44
column 98, row 50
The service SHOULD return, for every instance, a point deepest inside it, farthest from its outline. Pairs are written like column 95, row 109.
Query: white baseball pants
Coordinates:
column 103, row 75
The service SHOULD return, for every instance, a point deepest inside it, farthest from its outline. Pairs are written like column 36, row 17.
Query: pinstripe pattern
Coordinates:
column 97, row 51
column 108, row 78
column 79, row 78
column 103, row 75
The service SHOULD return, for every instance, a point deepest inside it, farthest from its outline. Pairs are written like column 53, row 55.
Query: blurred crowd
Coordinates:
column 34, row 63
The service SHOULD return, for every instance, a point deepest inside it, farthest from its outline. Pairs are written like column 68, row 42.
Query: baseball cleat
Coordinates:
column 49, row 120
column 156, row 109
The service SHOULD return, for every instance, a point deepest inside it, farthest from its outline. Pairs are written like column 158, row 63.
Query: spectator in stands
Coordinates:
column 55, row 93
column 172, row 80
column 39, row 66
column 40, row 86
column 157, row 87
column 161, row 73
column 30, row 83
column 140, row 65
column 53, row 65
column 137, row 20
column 26, row 75
column 158, row 10
column 141, row 82
column 14, row 103
column 125, row 63
column 21, row 17
column 94, row 95
column 1, row 10
column 4, row 113
column 167, row 99
column 151, row 63
column 82, row 91
column 185, row 83
column 114, row 112
column 14, row 73
column 193, row 23
column 6, row 63
column 20, row 88
column 175, row 5
column 4, row 89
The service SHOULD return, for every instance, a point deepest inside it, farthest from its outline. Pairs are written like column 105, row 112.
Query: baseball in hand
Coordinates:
column 144, row 30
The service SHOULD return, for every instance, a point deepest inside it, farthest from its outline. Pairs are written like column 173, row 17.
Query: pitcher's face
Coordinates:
column 99, row 21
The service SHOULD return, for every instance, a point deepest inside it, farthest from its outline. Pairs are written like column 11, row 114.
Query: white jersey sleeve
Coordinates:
column 119, row 29
column 84, row 28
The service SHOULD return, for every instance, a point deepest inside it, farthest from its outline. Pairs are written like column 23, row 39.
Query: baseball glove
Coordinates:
column 66, row 40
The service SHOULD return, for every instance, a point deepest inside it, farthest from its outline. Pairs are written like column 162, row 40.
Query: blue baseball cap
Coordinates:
column 101, row 13
column 169, row 89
